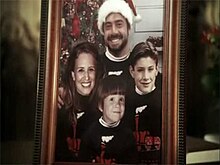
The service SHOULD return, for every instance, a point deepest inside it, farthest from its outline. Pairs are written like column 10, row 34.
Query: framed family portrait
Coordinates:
column 99, row 54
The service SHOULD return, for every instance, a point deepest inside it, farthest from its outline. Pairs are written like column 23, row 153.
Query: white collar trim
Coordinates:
column 140, row 92
column 111, row 125
column 116, row 59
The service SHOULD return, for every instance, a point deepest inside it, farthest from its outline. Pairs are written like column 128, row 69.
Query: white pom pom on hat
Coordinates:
column 137, row 17
column 125, row 8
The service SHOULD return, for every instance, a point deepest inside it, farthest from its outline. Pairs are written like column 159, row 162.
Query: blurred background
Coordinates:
column 20, row 32
column 203, row 101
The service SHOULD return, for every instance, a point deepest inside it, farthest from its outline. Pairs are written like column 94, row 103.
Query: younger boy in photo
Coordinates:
column 107, row 141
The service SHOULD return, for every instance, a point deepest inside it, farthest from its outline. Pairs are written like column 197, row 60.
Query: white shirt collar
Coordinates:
column 116, row 59
column 111, row 125
column 140, row 92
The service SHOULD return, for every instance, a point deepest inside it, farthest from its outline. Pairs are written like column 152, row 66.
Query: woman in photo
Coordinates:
column 80, row 78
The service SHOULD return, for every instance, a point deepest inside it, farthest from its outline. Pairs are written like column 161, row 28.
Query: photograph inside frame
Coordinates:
column 110, row 82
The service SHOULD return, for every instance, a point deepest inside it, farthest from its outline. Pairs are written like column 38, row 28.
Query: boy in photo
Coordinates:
column 107, row 141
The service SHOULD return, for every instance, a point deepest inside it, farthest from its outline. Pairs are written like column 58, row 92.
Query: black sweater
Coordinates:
column 120, row 148
column 68, row 134
column 143, row 115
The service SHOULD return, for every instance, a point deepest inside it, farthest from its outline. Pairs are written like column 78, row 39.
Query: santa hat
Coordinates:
column 125, row 8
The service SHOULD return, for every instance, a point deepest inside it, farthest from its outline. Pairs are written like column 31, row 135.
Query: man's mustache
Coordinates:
column 116, row 36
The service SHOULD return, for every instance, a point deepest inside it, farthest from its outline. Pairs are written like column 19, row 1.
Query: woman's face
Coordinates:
column 113, row 108
column 84, row 73
column 144, row 74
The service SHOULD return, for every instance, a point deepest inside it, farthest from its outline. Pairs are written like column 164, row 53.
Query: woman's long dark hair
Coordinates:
column 71, row 99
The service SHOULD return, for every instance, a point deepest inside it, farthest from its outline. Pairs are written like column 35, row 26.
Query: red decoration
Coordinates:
column 65, row 44
column 78, row 2
column 76, row 26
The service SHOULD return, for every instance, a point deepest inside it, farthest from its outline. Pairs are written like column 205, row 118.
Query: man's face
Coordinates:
column 113, row 108
column 144, row 74
column 84, row 74
column 116, row 32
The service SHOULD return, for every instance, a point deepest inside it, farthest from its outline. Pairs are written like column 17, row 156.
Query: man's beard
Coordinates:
column 116, row 50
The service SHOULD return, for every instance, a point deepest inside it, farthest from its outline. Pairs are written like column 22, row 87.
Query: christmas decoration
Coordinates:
column 156, row 41
column 76, row 26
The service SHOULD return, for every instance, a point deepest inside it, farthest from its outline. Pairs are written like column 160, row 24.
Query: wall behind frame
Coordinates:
column 151, row 24
column 20, row 25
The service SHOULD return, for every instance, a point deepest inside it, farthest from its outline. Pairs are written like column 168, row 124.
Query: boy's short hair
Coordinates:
column 110, row 85
column 141, row 50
